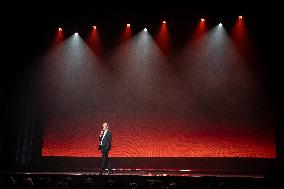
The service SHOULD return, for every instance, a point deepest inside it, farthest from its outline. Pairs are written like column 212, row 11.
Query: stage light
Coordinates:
column 184, row 170
column 128, row 25
column 164, row 22
column 240, row 17
column 59, row 29
column 220, row 24
column 95, row 27
column 76, row 33
column 202, row 20
column 145, row 29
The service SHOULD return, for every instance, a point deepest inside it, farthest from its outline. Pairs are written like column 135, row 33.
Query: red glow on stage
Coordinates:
column 157, row 137
column 126, row 34
column 94, row 41
column 240, row 37
column 59, row 36
column 163, row 38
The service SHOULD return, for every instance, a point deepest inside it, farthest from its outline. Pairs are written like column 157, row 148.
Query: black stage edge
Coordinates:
column 237, row 166
column 201, row 172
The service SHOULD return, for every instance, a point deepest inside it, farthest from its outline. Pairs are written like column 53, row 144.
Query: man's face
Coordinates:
column 105, row 126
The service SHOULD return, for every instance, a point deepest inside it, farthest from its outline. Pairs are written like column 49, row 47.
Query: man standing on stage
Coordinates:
column 105, row 146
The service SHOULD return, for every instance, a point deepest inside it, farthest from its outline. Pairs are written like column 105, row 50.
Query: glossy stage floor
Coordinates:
column 151, row 173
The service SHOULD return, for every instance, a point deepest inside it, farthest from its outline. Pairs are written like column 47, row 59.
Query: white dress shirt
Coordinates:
column 103, row 136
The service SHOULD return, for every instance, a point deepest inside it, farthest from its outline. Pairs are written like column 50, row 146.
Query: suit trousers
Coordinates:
column 105, row 160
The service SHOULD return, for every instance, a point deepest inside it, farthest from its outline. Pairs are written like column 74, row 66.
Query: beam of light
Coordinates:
column 241, row 38
column 68, row 84
column 59, row 36
column 126, row 34
column 196, row 38
column 94, row 41
column 220, row 24
column 199, row 31
column 214, row 70
column 136, row 53
column 145, row 29
column 163, row 38
column 76, row 34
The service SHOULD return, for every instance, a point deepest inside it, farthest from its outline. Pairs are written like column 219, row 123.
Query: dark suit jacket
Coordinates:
column 106, row 143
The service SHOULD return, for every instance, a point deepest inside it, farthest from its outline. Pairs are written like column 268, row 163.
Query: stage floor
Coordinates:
column 149, row 173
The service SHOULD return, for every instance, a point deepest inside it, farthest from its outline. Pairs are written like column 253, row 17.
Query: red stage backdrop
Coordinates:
column 158, row 137
column 203, row 100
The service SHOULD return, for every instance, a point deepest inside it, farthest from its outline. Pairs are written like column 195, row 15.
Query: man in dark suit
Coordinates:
column 105, row 146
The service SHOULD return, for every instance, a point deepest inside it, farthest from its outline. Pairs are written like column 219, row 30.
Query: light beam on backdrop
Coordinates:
column 163, row 39
column 126, row 34
column 199, row 31
column 94, row 41
column 59, row 36
column 70, row 85
column 224, row 92
column 241, row 39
